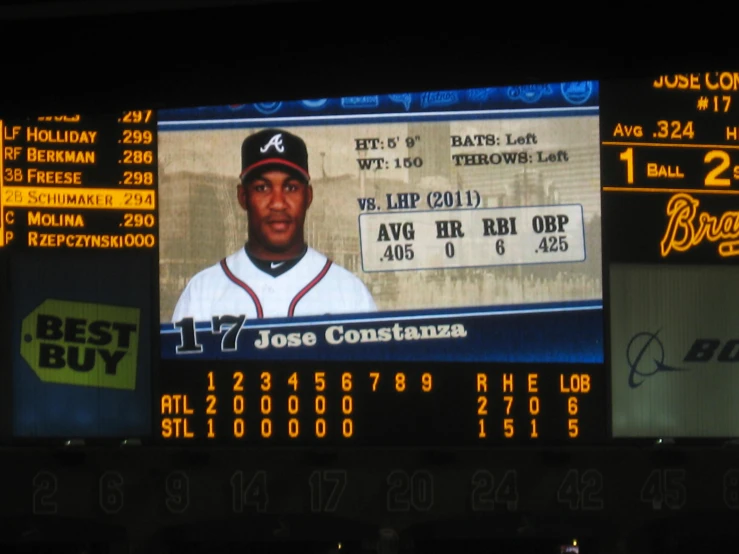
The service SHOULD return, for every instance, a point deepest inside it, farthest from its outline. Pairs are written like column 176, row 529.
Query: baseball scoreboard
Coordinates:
column 544, row 264
column 430, row 314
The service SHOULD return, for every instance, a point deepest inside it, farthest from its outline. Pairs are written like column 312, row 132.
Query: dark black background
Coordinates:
column 291, row 50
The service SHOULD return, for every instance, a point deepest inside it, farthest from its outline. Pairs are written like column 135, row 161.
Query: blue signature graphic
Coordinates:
column 480, row 94
column 635, row 351
column 315, row 104
column 360, row 101
column 440, row 98
column 268, row 108
column 528, row 93
column 404, row 99
column 577, row 92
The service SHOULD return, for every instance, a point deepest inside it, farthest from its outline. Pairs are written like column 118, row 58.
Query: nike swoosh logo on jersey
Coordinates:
column 275, row 265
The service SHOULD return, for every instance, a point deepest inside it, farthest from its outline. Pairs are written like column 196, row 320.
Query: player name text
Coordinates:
column 59, row 136
column 38, row 155
column 41, row 219
column 716, row 80
column 338, row 334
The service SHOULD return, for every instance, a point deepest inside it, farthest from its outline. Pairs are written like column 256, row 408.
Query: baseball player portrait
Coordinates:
column 276, row 274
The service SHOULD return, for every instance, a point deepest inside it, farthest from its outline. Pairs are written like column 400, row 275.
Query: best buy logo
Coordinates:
column 89, row 345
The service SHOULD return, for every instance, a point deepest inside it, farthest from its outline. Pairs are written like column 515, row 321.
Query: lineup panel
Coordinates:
column 79, row 246
column 80, row 182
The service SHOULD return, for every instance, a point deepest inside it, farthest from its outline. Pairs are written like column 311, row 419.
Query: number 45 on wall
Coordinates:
column 665, row 488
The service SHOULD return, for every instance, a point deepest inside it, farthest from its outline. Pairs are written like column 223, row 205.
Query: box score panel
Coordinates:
column 383, row 406
column 472, row 238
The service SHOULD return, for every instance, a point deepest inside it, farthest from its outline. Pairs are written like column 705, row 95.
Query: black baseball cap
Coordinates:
column 274, row 147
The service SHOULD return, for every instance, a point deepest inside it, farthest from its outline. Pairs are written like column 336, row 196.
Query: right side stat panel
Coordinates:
column 670, row 177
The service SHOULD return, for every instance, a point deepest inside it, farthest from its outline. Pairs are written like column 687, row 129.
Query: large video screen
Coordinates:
column 305, row 243
column 446, row 226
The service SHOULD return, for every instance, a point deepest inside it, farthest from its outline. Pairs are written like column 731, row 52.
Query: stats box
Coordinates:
column 472, row 238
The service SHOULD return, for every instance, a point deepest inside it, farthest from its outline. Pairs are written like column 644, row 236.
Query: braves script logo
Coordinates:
column 688, row 228
column 275, row 142
column 636, row 352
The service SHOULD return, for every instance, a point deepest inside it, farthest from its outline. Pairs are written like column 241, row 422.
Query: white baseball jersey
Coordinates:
column 235, row 286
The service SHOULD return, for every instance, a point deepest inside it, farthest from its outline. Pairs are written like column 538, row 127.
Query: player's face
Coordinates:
column 275, row 202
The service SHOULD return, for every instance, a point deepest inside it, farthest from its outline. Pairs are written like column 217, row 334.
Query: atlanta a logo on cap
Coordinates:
column 276, row 142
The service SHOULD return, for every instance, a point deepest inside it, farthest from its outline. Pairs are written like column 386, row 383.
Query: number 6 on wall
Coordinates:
column 111, row 492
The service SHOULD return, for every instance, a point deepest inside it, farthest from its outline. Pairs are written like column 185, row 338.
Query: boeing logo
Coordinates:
column 640, row 364
column 645, row 355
